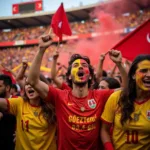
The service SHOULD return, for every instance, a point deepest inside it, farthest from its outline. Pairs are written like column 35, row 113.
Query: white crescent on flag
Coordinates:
column 60, row 24
column 39, row 5
column 14, row 9
column 148, row 38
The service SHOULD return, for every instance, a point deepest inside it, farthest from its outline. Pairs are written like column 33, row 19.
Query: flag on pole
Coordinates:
column 136, row 43
column 60, row 24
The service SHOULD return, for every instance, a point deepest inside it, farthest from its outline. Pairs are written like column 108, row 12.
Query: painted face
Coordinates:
column 103, row 85
column 80, row 71
column 142, row 75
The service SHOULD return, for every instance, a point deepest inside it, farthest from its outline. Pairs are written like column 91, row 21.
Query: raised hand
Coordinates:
column 45, row 41
column 102, row 57
column 55, row 54
column 115, row 56
column 25, row 62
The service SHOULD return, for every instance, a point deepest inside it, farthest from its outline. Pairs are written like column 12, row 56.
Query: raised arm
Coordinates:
column 113, row 71
column 53, row 70
column 34, row 71
column 21, row 74
column 116, row 57
column 99, row 71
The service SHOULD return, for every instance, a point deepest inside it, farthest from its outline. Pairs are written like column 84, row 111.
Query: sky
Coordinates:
column 49, row 5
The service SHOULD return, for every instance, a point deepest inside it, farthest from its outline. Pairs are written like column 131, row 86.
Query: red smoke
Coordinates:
column 107, row 29
column 103, row 43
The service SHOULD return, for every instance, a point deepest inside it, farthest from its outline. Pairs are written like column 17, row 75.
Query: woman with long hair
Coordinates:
column 129, row 110
column 35, row 120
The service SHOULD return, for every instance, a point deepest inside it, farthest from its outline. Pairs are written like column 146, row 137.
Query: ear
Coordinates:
column 133, row 77
column 70, row 77
column 8, row 88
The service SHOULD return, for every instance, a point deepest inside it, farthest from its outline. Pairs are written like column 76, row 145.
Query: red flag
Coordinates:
column 15, row 9
column 38, row 5
column 60, row 23
column 137, row 42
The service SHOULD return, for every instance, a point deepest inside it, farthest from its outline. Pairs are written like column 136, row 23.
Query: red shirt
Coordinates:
column 78, row 119
column 65, row 86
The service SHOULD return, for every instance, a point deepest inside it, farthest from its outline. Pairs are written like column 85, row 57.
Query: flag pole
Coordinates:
column 107, row 53
column 50, row 30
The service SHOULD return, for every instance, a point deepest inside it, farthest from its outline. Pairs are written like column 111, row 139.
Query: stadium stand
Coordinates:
column 21, row 41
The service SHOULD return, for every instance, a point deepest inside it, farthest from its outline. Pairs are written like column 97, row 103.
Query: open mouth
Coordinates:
column 80, row 73
column 30, row 91
column 146, row 83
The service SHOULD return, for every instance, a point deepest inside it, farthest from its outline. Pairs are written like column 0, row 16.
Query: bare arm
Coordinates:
column 127, row 65
column 53, row 70
column 34, row 71
column 3, row 104
column 99, row 71
column 105, row 133
column 21, row 73
column 105, row 136
column 113, row 71
column 116, row 57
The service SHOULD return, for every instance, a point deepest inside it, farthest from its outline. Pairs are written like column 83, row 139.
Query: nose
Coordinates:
column 148, row 73
column 80, row 67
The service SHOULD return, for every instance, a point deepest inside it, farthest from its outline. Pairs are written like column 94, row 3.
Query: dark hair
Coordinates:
column 95, row 84
column 112, row 83
column 47, row 108
column 120, row 78
column 6, row 79
column 128, row 95
column 104, row 73
column 49, row 80
column 72, row 59
column 14, row 86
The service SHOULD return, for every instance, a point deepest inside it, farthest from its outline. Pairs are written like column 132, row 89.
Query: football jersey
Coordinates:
column 133, row 135
column 33, row 132
column 78, row 119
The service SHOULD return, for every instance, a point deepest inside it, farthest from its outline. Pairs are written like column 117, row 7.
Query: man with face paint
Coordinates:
column 7, row 122
column 129, row 110
column 78, row 110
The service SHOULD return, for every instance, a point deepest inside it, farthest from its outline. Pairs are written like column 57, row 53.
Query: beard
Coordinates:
column 80, row 84
column 3, row 94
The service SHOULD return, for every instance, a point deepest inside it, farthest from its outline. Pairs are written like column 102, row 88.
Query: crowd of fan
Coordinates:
column 130, row 20
column 12, row 57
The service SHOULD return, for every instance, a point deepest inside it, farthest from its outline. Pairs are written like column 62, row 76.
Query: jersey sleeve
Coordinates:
column 110, row 108
column 65, row 86
column 53, row 95
column 14, row 104
column 106, row 94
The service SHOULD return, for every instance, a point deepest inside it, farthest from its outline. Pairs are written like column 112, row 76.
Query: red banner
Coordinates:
column 38, row 5
column 15, row 9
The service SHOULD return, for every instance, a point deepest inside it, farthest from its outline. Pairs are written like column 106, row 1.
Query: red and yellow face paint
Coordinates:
column 141, row 72
column 77, row 66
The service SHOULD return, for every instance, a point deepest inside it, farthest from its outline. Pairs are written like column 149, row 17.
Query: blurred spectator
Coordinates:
column 130, row 20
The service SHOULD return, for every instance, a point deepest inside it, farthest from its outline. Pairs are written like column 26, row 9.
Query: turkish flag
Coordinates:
column 38, row 5
column 15, row 9
column 60, row 24
column 136, row 43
